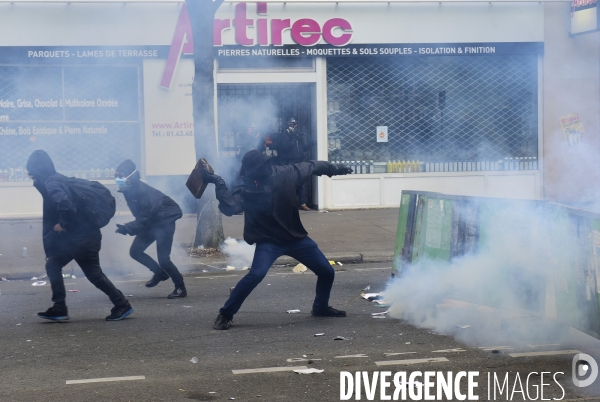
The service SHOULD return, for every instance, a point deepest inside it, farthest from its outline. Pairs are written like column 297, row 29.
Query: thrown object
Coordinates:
column 195, row 182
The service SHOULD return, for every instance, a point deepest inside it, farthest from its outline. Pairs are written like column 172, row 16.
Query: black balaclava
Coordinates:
column 40, row 166
column 256, row 165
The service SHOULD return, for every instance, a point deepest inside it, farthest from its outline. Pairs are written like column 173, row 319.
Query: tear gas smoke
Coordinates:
column 239, row 253
column 511, row 291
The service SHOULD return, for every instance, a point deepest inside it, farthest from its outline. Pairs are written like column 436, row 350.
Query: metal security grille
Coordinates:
column 437, row 109
column 86, row 117
column 268, row 107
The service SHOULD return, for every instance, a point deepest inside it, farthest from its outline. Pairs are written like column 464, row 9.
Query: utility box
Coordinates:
column 549, row 254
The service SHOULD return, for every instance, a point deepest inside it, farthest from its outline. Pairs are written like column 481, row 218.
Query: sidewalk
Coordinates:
column 349, row 236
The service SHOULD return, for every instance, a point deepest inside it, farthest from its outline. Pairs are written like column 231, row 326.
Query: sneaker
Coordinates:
column 222, row 322
column 178, row 293
column 117, row 313
column 54, row 314
column 328, row 312
column 304, row 208
column 156, row 279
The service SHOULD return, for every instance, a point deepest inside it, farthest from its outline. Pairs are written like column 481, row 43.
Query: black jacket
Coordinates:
column 271, row 208
column 149, row 206
column 59, row 206
column 290, row 147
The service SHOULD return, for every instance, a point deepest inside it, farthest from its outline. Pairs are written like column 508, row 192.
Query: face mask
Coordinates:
column 122, row 181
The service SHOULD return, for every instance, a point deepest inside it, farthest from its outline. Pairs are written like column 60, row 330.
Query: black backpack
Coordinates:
column 93, row 199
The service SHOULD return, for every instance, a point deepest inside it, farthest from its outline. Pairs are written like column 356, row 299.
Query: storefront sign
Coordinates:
column 382, row 134
column 584, row 16
column 305, row 30
column 572, row 128
column 400, row 49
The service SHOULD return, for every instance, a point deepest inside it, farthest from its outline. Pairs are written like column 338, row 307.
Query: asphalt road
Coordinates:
column 38, row 358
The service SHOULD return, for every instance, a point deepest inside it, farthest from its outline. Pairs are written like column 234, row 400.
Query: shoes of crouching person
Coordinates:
column 178, row 293
column 117, row 313
column 55, row 314
column 156, row 279
column 304, row 208
column 222, row 322
column 328, row 312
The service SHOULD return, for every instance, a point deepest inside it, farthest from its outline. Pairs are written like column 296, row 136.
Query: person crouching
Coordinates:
column 155, row 215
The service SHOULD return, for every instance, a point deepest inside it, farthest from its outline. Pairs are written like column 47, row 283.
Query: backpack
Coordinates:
column 93, row 199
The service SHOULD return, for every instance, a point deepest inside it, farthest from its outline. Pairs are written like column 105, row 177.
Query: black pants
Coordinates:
column 163, row 235
column 85, row 253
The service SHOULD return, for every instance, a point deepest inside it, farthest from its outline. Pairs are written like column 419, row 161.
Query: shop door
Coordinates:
column 261, row 112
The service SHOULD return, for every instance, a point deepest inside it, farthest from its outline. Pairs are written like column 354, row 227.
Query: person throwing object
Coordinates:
column 268, row 200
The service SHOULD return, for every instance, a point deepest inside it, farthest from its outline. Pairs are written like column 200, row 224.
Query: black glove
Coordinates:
column 209, row 178
column 121, row 229
column 341, row 170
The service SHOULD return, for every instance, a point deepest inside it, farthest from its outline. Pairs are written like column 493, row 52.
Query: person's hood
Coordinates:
column 253, row 163
column 40, row 166
column 127, row 167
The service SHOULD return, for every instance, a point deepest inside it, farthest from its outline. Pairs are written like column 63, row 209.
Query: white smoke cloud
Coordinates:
column 512, row 291
column 239, row 253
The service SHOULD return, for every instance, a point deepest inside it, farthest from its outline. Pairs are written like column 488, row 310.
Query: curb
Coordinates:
column 212, row 266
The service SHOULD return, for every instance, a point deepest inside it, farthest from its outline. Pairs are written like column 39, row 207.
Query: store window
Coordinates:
column 86, row 117
column 442, row 113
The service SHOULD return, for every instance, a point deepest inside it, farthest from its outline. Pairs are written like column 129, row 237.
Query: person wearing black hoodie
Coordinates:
column 69, row 235
column 271, row 220
column 155, row 215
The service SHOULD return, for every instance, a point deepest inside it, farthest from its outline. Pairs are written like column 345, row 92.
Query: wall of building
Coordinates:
column 571, row 84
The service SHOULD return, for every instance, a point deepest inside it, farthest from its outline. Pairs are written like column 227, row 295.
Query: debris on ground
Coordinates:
column 320, row 334
column 367, row 288
column 205, row 252
column 38, row 283
column 229, row 268
column 341, row 338
column 244, row 268
column 462, row 326
column 66, row 276
column 379, row 314
column 73, row 291
column 299, row 268
column 308, row 371
column 340, row 264
column 331, row 262
column 35, row 278
column 293, row 311
column 4, row 279
column 194, row 360
column 371, row 296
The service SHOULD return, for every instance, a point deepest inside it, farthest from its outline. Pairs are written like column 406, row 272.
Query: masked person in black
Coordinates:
column 155, row 215
column 271, row 220
column 69, row 235
column 291, row 148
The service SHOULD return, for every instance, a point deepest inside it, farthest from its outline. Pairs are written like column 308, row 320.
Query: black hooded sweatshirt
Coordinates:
column 149, row 206
column 271, row 208
column 59, row 206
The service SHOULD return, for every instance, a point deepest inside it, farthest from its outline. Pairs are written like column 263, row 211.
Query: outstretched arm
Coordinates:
column 318, row 168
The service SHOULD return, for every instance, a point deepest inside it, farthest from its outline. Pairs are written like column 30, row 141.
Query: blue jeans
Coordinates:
column 302, row 193
column 304, row 250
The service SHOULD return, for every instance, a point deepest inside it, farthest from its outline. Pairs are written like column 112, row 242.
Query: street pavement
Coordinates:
column 158, row 342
